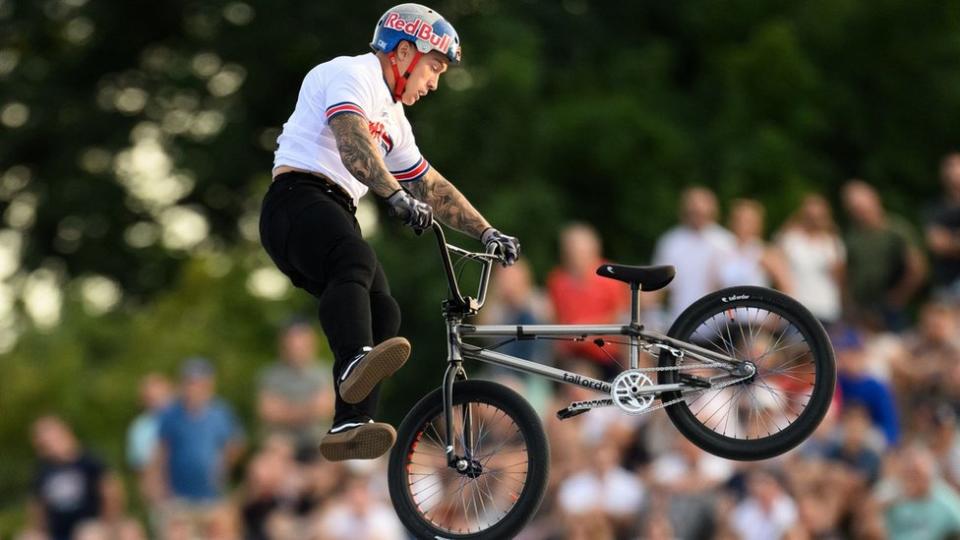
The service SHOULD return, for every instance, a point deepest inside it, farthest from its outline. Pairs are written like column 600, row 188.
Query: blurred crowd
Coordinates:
column 885, row 462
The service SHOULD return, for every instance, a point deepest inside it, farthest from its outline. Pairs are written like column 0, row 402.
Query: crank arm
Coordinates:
column 658, row 389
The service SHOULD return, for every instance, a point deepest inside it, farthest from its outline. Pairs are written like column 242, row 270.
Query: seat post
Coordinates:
column 634, row 320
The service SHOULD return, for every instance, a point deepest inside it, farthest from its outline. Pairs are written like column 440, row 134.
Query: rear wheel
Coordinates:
column 506, row 457
column 781, row 404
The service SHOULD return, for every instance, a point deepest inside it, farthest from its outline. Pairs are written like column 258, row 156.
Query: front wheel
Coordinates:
column 781, row 404
column 506, row 462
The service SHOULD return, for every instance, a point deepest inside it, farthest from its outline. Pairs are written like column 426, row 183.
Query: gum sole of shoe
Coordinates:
column 369, row 441
column 383, row 361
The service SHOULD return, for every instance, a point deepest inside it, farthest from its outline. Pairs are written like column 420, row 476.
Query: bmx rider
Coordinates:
column 348, row 135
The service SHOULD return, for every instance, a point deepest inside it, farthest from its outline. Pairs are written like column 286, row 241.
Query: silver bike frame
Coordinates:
column 459, row 307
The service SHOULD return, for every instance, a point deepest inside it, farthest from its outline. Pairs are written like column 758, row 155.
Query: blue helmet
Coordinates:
column 424, row 27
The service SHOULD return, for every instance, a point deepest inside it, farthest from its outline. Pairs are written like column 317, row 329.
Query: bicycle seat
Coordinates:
column 650, row 278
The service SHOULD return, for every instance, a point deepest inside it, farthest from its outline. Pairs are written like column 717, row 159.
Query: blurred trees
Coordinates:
column 136, row 140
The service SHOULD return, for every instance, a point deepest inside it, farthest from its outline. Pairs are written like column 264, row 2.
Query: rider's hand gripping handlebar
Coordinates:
column 414, row 213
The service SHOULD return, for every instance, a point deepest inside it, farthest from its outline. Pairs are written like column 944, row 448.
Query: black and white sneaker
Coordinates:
column 371, row 366
column 357, row 439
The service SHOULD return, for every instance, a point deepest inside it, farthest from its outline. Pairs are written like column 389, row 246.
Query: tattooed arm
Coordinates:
column 362, row 160
column 360, row 156
column 449, row 205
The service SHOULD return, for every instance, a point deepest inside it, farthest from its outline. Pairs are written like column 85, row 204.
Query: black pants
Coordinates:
column 311, row 233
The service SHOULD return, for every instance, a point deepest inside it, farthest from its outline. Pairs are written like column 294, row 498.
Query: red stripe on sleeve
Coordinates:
column 413, row 173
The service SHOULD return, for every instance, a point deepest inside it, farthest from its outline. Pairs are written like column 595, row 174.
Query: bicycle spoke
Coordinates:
column 455, row 502
column 775, row 396
column 506, row 467
column 777, row 342
column 791, row 376
column 438, row 438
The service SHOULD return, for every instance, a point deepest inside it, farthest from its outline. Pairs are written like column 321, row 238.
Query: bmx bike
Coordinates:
column 745, row 373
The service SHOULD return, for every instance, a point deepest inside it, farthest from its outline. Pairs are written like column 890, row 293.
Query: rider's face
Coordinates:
column 425, row 77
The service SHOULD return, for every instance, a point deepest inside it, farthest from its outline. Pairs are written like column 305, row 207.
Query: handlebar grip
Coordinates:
column 393, row 212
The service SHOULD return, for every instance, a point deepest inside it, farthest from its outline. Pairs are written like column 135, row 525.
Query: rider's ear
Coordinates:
column 403, row 50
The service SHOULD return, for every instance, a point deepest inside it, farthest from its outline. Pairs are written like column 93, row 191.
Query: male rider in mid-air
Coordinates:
column 348, row 135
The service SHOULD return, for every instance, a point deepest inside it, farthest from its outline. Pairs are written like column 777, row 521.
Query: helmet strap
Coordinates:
column 400, row 81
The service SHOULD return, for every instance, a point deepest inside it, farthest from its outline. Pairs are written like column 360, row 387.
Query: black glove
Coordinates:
column 416, row 214
column 509, row 246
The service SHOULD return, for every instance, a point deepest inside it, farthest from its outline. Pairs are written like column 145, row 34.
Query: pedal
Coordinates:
column 580, row 407
column 694, row 381
column 566, row 413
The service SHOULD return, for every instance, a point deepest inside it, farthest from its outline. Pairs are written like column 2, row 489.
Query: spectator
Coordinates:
column 920, row 505
column 657, row 526
column 688, row 478
column 943, row 231
column 322, row 481
column 602, row 485
column 272, row 491
column 359, row 514
column 859, row 387
column 295, row 394
column 750, row 261
column 695, row 247
column 580, row 296
column 514, row 299
column 944, row 442
column 688, row 469
column 69, row 483
column 591, row 526
column 824, row 492
column 856, row 450
column 817, row 515
column 113, row 523
column 156, row 393
column 885, row 267
column 816, row 258
column 823, row 439
column 199, row 441
column 768, row 512
column 932, row 351
column 127, row 530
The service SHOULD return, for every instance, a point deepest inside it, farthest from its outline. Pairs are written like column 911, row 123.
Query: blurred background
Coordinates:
column 808, row 146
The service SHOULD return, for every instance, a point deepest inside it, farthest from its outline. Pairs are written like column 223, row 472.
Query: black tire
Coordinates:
column 483, row 396
column 734, row 307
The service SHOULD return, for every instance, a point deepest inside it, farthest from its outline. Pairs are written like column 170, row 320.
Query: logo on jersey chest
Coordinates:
column 379, row 133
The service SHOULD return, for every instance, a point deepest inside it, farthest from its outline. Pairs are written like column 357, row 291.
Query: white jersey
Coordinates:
column 348, row 85
column 695, row 253
column 812, row 259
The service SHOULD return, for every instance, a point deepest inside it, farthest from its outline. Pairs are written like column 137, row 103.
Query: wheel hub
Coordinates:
column 745, row 369
column 469, row 468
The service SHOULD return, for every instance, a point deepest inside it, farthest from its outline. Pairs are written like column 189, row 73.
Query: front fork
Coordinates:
column 454, row 373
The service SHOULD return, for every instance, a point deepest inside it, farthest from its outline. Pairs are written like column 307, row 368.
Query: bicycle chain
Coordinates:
column 665, row 404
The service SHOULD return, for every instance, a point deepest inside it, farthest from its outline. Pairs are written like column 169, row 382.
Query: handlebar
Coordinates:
column 485, row 258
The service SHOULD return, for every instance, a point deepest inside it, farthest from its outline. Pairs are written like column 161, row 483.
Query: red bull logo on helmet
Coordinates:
column 419, row 30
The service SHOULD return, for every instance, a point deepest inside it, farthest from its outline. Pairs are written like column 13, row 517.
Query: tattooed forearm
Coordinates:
column 449, row 205
column 360, row 156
